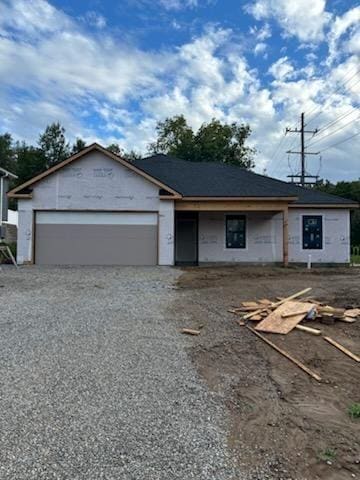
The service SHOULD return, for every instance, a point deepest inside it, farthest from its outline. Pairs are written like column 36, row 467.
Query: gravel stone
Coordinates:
column 95, row 381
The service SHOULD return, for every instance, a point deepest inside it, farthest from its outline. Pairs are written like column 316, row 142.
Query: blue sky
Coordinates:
column 110, row 70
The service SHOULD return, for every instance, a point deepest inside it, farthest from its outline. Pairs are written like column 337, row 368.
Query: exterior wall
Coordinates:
column 263, row 238
column 166, row 232
column 336, row 236
column 96, row 182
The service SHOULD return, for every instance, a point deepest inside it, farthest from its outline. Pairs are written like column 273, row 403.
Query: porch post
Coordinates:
column 286, row 236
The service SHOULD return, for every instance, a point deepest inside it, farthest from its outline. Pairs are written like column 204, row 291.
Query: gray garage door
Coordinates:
column 96, row 238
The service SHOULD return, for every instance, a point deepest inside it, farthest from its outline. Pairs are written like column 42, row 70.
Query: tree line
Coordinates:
column 214, row 141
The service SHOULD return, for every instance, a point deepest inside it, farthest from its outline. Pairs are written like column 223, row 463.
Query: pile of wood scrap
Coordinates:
column 283, row 315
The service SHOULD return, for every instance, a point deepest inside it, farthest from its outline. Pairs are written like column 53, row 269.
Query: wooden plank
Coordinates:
column 275, row 323
column 227, row 206
column 329, row 309
column 280, row 302
column 347, row 319
column 265, row 301
column 249, row 304
column 249, row 309
column 313, row 331
column 287, row 355
column 293, row 314
column 342, row 348
column 352, row 313
column 190, row 331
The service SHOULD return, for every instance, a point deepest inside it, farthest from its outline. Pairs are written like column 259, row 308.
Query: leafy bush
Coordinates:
column 327, row 455
column 354, row 410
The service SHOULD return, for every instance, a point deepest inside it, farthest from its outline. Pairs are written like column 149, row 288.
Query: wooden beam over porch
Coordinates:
column 231, row 206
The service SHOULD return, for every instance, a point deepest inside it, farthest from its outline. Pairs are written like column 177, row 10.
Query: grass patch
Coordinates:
column 354, row 410
column 355, row 258
column 327, row 455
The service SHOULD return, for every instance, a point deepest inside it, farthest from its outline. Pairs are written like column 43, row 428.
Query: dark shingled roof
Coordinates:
column 212, row 179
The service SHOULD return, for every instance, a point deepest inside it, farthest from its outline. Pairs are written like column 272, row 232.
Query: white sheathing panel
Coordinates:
column 166, row 232
column 263, row 238
column 95, row 182
column 96, row 218
column 25, row 228
column 336, row 236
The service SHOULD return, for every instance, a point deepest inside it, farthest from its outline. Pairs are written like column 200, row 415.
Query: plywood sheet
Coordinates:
column 274, row 323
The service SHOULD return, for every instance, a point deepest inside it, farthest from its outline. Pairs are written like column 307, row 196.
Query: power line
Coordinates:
column 339, row 143
column 335, row 131
column 337, row 119
column 314, row 109
column 273, row 168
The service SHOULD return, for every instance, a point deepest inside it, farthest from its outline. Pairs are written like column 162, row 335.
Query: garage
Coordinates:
column 96, row 238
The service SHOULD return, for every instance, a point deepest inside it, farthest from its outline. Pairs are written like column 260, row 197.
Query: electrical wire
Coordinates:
column 314, row 109
column 339, row 143
column 332, row 133
column 337, row 119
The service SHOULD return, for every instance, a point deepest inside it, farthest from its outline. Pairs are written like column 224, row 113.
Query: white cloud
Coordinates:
column 311, row 57
column 262, row 33
column 350, row 20
column 178, row 4
column 281, row 69
column 95, row 19
column 33, row 17
column 105, row 90
column 304, row 19
column 353, row 45
column 260, row 48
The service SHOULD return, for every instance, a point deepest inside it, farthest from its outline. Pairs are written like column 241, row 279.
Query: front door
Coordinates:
column 186, row 238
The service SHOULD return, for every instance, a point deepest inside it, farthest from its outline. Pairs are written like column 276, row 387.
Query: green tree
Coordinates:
column 114, row 148
column 130, row 156
column 174, row 137
column 53, row 144
column 349, row 190
column 78, row 146
column 213, row 142
column 29, row 161
column 7, row 158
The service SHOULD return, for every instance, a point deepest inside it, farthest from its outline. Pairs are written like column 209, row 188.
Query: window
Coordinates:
column 235, row 231
column 312, row 232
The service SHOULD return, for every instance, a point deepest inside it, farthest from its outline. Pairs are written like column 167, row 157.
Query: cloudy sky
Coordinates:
column 108, row 70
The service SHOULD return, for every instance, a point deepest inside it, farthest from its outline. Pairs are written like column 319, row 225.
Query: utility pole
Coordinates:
column 302, row 177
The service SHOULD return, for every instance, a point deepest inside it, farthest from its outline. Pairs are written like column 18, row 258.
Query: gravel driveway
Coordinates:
column 95, row 382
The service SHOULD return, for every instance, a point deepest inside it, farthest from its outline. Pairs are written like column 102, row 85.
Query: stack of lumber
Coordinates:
column 283, row 315
column 288, row 312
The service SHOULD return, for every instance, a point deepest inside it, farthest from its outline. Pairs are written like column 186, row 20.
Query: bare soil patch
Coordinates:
column 284, row 424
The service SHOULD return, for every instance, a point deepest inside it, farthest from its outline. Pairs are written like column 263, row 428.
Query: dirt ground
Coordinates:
column 284, row 424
